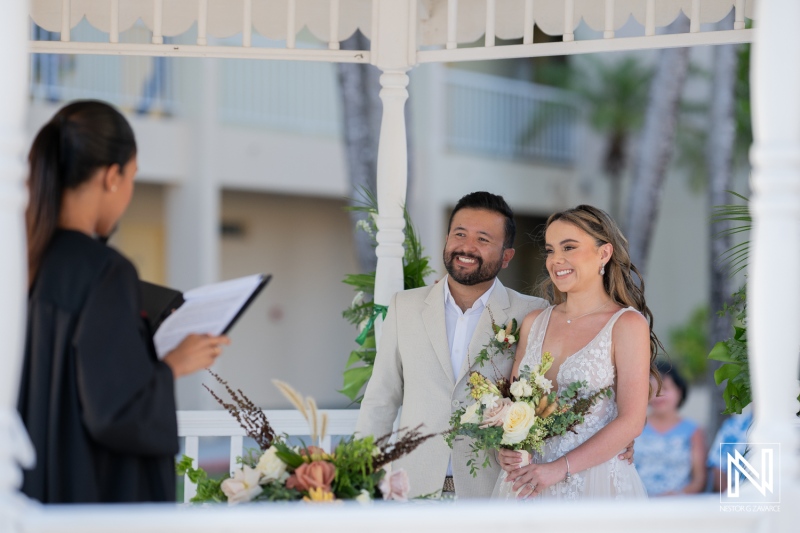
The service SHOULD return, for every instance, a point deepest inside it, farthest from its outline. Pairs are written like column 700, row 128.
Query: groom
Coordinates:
column 430, row 337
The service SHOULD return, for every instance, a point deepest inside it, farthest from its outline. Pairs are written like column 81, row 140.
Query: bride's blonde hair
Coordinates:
column 619, row 281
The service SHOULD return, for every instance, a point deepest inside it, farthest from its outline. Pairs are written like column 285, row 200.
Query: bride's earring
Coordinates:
column 602, row 269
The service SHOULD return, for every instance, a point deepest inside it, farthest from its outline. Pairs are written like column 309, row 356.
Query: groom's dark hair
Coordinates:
column 490, row 202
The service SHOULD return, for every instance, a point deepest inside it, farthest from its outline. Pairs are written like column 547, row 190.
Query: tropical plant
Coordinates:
column 363, row 312
column 732, row 352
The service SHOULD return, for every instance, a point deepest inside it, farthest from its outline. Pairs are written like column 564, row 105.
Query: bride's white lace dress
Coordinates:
column 614, row 478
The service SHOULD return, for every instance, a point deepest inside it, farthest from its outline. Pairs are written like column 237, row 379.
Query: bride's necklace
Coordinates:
column 569, row 320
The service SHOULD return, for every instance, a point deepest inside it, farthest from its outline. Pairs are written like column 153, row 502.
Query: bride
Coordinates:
column 599, row 331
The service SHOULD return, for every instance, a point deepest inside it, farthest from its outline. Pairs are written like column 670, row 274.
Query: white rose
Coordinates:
column 243, row 486
column 518, row 421
column 270, row 466
column 511, row 339
column 545, row 384
column 521, row 388
column 363, row 497
column 489, row 400
column 471, row 416
column 501, row 335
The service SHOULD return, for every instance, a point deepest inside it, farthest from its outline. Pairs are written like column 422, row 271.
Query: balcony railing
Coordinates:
column 502, row 117
column 484, row 115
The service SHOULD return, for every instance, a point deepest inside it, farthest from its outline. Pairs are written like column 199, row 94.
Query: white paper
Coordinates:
column 206, row 310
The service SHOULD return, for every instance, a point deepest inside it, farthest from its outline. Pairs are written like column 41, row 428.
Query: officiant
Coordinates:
column 97, row 402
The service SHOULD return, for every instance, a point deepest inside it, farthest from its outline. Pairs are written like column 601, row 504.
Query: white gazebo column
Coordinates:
column 192, row 215
column 774, row 284
column 393, row 49
column 15, row 448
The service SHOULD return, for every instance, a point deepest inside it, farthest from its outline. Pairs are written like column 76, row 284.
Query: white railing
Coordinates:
column 503, row 117
column 192, row 425
column 141, row 84
column 281, row 95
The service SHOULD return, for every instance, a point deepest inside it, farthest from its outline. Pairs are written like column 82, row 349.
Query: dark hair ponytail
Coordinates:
column 81, row 138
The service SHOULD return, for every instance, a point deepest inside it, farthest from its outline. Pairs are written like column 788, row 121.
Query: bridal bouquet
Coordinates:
column 519, row 415
column 358, row 469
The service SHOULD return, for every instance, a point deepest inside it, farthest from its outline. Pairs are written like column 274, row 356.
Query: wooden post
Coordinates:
column 15, row 447
column 773, row 283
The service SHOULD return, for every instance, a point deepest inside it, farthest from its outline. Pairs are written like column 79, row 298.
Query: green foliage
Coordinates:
column 354, row 472
column 689, row 343
column 416, row 266
column 732, row 353
column 287, row 455
column 275, row 491
column 208, row 490
column 737, row 256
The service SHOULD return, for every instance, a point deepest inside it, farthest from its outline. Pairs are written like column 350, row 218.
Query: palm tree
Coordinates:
column 614, row 97
column 656, row 147
column 361, row 119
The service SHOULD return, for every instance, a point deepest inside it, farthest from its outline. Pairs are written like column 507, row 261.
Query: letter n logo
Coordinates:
column 762, row 481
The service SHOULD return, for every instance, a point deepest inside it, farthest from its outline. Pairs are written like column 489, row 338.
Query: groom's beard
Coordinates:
column 484, row 272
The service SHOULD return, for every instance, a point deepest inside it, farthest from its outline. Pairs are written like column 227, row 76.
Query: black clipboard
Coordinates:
column 263, row 283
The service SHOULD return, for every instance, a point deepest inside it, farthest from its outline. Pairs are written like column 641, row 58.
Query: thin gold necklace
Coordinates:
column 569, row 320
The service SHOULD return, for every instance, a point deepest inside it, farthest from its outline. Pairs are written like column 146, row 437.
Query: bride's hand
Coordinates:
column 509, row 460
column 533, row 479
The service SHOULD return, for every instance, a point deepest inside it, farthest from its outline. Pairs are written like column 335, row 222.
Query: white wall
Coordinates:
column 294, row 331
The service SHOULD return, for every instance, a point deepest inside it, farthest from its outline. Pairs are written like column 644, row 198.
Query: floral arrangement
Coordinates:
column 363, row 312
column 358, row 469
column 519, row 415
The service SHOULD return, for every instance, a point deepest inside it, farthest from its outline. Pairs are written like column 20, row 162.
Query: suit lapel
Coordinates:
column 498, row 304
column 435, row 326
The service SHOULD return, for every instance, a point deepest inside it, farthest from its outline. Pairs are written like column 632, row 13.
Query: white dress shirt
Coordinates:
column 460, row 329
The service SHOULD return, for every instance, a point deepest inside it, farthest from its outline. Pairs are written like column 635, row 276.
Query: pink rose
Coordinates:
column 494, row 416
column 395, row 486
column 316, row 474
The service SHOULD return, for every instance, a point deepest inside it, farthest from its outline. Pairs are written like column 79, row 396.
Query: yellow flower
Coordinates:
column 319, row 495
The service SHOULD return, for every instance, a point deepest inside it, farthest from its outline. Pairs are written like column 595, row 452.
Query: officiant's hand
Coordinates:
column 509, row 460
column 627, row 454
column 194, row 353
column 533, row 479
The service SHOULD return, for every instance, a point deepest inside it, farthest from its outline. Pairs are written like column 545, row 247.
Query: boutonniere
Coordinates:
column 503, row 339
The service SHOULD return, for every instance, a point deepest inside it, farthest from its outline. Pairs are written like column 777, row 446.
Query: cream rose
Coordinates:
column 501, row 336
column 243, row 486
column 518, row 421
column 521, row 388
column 471, row 416
column 496, row 415
column 270, row 467
column 511, row 339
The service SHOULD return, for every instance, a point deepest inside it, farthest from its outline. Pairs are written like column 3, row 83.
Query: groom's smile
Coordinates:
column 474, row 251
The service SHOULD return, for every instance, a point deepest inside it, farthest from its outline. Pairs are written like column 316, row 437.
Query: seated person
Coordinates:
column 670, row 451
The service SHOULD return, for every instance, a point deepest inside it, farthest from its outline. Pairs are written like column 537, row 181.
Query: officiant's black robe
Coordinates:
column 98, row 404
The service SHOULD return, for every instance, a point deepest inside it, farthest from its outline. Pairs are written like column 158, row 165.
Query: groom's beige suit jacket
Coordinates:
column 413, row 371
